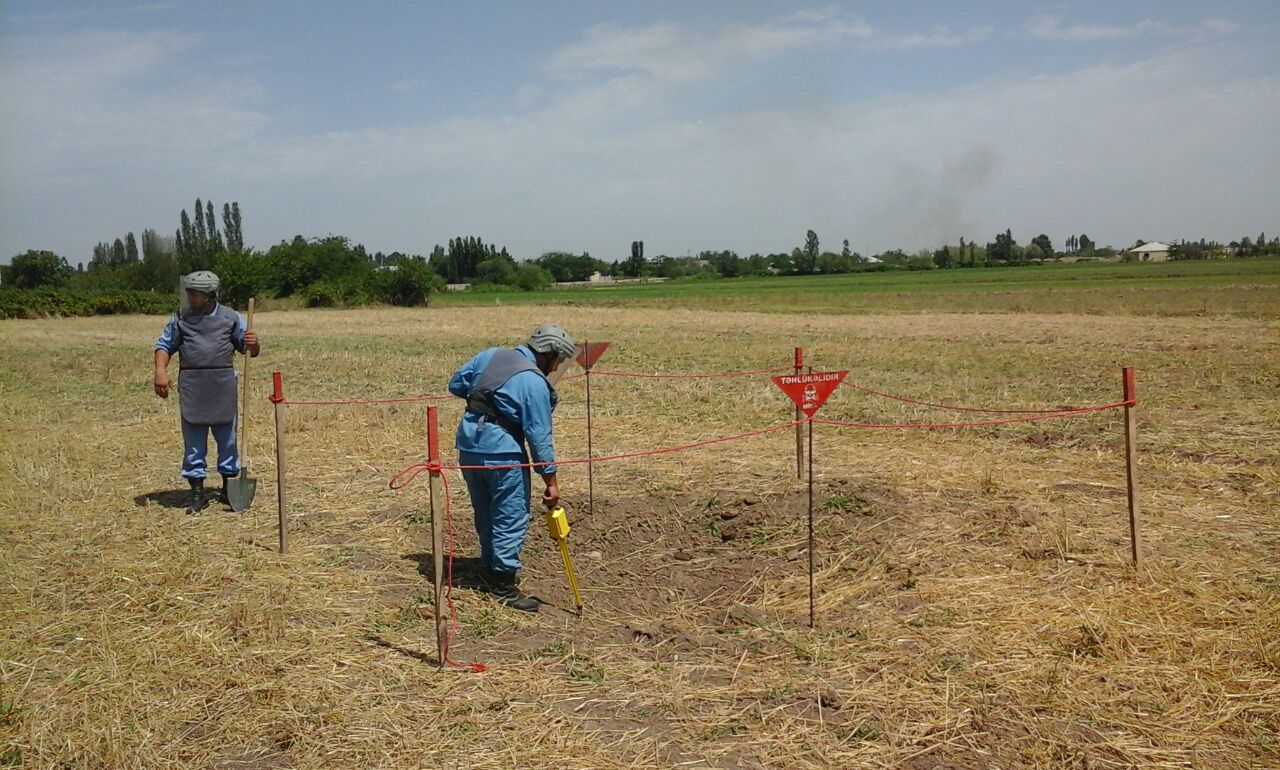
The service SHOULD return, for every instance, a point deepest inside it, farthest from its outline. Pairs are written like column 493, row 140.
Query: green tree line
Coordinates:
column 333, row 271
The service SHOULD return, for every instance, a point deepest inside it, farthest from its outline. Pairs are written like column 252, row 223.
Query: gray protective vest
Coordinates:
column 504, row 365
column 207, row 375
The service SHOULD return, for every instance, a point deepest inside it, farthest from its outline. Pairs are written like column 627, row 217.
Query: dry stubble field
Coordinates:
column 976, row 607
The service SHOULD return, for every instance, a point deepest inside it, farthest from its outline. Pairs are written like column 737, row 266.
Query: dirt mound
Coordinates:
column 662, row 572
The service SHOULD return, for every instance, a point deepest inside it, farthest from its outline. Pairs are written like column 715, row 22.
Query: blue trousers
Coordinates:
column 500, row 499
column 195, row 440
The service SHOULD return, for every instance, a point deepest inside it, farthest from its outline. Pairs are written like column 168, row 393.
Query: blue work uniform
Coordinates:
column 207, row 384
column 522, row 407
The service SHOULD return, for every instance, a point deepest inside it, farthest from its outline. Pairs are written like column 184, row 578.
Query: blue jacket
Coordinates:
column 170, row 340
column 525, row 399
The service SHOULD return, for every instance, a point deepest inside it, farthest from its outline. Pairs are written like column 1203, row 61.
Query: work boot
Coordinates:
column 196, row 502
column 484, row 576
column 505, row 590
column 222, row 493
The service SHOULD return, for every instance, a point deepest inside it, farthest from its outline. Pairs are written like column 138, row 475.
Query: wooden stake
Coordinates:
column 244, row 398
column 1131, row 464
column 437, row 532
column 277, row 398
column 799, row 362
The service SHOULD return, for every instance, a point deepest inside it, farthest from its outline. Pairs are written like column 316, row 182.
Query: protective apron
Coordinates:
column 504, row 365
column 207, row 375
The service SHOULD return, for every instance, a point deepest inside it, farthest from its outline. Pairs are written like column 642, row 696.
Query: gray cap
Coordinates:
column 549, row 338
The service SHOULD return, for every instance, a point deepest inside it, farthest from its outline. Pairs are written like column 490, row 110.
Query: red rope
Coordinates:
column 904, row 399
column 407, row 475
column 717, row 375
column 598, row 372
column 948, row 425
column 363, row 401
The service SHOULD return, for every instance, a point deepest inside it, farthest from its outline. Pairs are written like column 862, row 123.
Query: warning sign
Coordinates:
column 589, row 353
column 810, row 391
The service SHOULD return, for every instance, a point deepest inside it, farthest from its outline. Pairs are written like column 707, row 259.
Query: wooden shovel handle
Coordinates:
column 244, row 399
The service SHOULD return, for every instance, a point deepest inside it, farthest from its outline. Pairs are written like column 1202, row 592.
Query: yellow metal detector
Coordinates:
column 558, row 527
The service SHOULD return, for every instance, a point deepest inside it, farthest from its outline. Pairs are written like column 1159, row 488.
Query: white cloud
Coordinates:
column 661, row 50
column 1219, row 27
column 1049, row 27
column 1114, row 151
column 74, row 101
column 938, row 37
column 110, row 123
column 676, row 53
column 528, row 95
column 92, row 13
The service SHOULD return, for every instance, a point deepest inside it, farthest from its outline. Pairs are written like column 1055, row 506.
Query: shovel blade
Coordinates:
column 240, row 492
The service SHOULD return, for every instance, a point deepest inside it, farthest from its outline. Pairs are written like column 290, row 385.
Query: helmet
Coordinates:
column 549, row 338
column 202, row 280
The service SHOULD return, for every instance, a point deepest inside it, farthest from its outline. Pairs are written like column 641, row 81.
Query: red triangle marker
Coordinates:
column 589, row 353
column 810, row 391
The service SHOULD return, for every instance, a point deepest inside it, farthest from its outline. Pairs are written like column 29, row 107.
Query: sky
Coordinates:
column 557, row 126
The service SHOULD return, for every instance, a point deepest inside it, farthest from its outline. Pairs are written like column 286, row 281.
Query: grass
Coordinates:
column 584, row 669
column 975, row 605
column 1246, row 287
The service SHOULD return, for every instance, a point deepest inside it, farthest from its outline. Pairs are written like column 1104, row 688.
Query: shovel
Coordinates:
column 241, row 488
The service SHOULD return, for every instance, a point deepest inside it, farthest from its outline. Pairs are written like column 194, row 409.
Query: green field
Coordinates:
column 1247, row 288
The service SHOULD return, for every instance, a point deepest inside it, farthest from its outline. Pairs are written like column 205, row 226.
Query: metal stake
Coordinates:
column 591, row 467
column 799, row 363
column 811, row 590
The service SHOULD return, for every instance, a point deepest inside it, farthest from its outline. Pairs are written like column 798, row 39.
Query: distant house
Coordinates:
column 1150, row 252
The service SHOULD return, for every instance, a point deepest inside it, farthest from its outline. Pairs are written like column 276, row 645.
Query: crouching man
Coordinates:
column 509, row 405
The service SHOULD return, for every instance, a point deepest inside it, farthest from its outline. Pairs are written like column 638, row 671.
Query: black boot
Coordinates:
column 484, row 578
column 508, row 593
column 196, row 502
column 222, row 493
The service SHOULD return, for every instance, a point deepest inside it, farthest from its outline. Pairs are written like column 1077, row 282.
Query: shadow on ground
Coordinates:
column 467, row 572
column 167, row 498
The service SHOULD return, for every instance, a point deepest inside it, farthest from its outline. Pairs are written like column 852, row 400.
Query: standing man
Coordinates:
column 509, row 404
column 205, row 335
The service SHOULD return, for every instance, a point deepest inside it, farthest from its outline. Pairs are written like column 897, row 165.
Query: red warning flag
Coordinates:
column 589, row 353
column 810, row 391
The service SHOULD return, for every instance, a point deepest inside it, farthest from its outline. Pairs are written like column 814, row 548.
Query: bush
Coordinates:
column 530, row 277
column 339, row 292
column 35, row 269
column 488, row 288
column 408, row 285
column 295, row 265
column 321, row 294
column 44, row 303
column 495, row 270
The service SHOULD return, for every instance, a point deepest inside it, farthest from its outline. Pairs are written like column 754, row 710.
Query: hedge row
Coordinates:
column 44, row 303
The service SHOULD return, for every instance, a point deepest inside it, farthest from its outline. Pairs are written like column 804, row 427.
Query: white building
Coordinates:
column 1155, row 251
